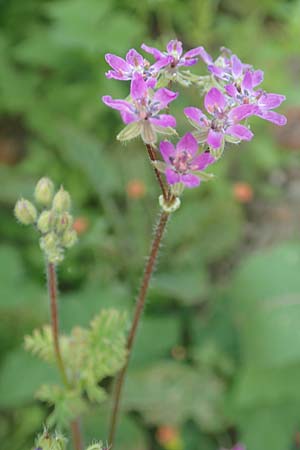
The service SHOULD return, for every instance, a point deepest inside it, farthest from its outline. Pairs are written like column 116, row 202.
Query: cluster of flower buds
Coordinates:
column 231, row 96
column 51, row 216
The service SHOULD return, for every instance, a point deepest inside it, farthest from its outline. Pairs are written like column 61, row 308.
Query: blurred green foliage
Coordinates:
column 218, row 352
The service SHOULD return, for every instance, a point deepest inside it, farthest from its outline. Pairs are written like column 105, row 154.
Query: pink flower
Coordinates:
column 181, row 161
column 142, row 114
column 173, row 57
column 223, row 123
column 244, row 93
column 125, row 69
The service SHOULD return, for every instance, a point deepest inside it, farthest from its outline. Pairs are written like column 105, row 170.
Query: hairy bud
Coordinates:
column 44, row 191
column 45, row 221
column 69, row 238
column 47, row 441
column 62, row 201
column 64, row 222
column 25, row 212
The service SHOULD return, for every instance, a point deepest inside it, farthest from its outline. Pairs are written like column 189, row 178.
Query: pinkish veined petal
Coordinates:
column 162, row 62
column 257, row 77
column 203, row 54
column 120, row 105
column 271, row 101
column 215, row 138
column 117, row 63
column 172, row 176
column 214, row 99
column 198, row 51
column 274, row 117
column 138, row 87
column 117, row 75
column 128, row 117
column 231, row 90
column 241, row 112
column 188, row 143
column 190, row 180
column 202, row 161
column 237, row 66
column 163, row 120
column 247, row 83
column 216, row 70
column 175, row 47
column 153, row 51
column 134, row 58
column 240, row 132
column 163, row 97
column 187, row 62
column 167, row 149
column 195, row 114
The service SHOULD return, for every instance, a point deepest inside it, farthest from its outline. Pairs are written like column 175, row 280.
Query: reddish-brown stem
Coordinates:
column 52, row 290
column 152, row 156
column 149, row 268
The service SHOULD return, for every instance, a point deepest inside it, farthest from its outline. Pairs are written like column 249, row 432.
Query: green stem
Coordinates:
column 148, row 271
column 52, row 290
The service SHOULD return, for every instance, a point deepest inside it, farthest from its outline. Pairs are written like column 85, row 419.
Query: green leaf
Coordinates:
column 172, row 393
column 20, row 377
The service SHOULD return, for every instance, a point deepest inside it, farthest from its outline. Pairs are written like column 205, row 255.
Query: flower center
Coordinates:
column 182, row 162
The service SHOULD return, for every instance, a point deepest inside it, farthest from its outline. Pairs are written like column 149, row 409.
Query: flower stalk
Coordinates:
column 148, row 271
column 52, row 290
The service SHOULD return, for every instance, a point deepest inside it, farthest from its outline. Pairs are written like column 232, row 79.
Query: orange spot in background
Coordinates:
column 243, row 192
column 166, row 434
column 80, row 225
column 136, row 188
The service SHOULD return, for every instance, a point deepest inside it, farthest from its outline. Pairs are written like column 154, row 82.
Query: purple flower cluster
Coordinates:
column 232, row 96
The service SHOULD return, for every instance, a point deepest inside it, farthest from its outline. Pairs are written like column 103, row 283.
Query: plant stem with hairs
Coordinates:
column 152, row 157
column 149, row 268
column 52, row 290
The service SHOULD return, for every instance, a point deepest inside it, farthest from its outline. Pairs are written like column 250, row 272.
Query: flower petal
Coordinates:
column 240, row 132
column 190, row 180
column 128, row 117
column 153, row 51
column 188, row 143
column 167, row 149
column 163, row 97
column 241, row 112
column 138, row 87
column 214, row 99
column 194, row 114
column 273, row 117
column 215, row 138
column 120, row 105
column 117, row 75
column 202, row 161
column 271, row 101
column 237, row 66
column 162, row 62
column 247, row 83
column 134, row 58
column 175, row 47
column 257, row 77
column 163, row 120
column 203, row 54
column 117, row 63
column 231, row 90
column 171, row 176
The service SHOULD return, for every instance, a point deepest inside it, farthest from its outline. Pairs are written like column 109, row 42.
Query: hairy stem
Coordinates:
column 148, row 271
column 152, row 156
column 52, row 290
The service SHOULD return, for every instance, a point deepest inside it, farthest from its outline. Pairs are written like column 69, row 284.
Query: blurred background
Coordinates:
column 218, row 354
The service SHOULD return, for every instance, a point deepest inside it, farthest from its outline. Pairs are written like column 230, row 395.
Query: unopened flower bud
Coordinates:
column 45, row 221
column 44, row 191
column 25, row 212
column 49, row 242
column 69, row 238
column 47, row 441
column 62, row 201
column 171, row 205
column 63, row 222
